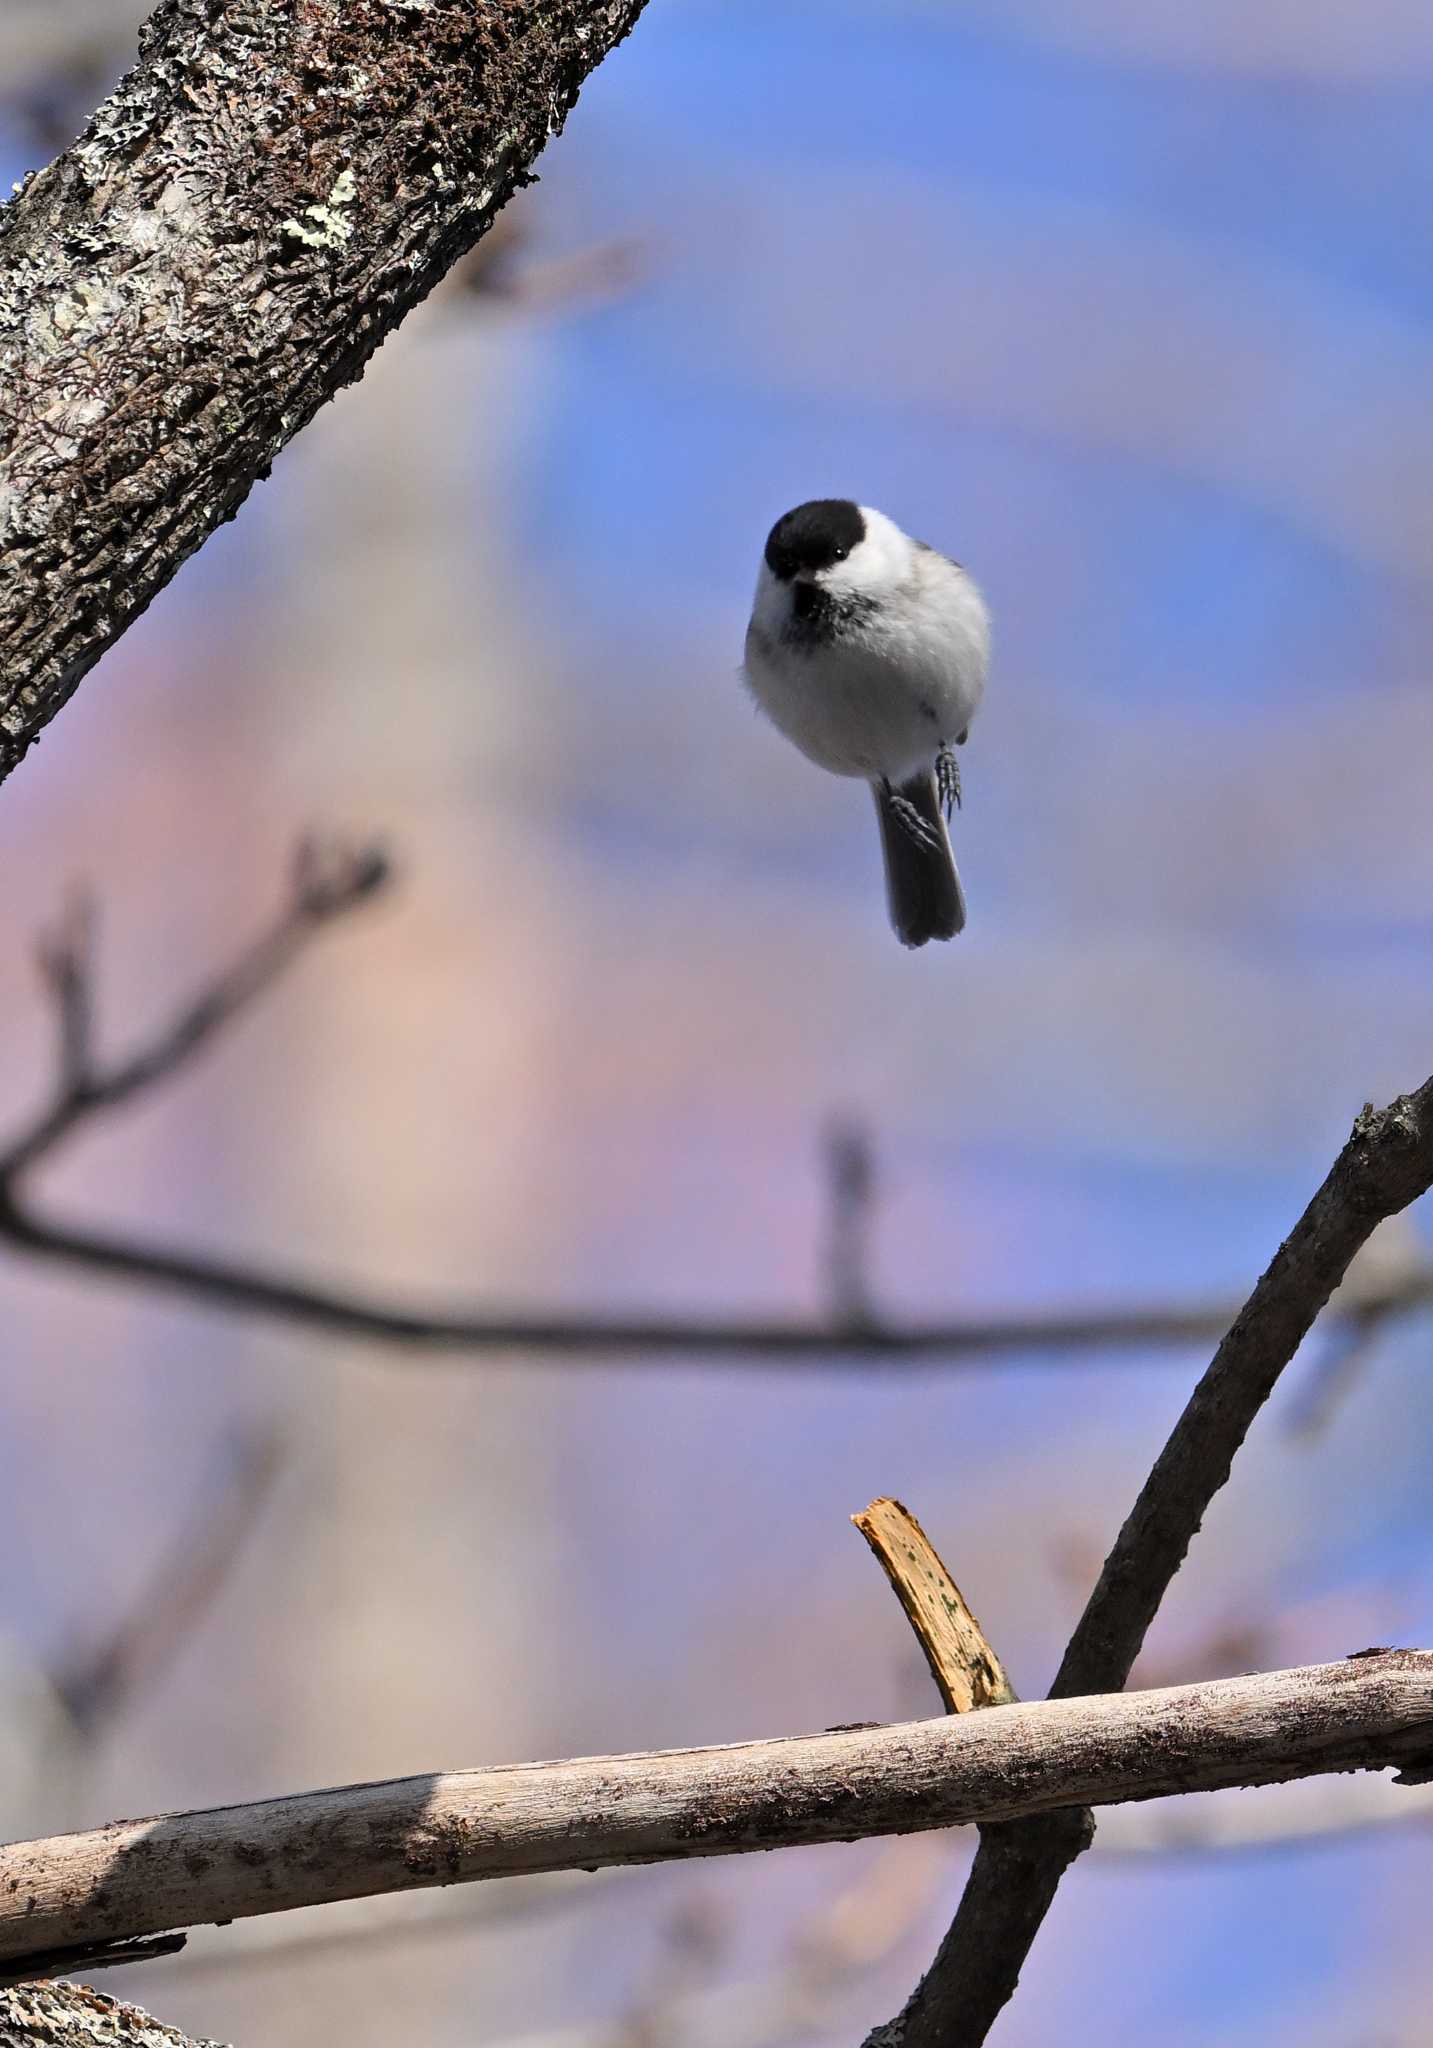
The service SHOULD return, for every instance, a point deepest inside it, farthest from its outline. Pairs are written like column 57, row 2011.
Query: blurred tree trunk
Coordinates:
column 260, row 201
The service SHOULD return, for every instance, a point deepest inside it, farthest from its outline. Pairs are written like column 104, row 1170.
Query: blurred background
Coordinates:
column 1128, row 306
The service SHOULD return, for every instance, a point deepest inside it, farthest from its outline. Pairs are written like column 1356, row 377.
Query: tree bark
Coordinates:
column 135, row 1878
column 263, row 198
column 73, row 2016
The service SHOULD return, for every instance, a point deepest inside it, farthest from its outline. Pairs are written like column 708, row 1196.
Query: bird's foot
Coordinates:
column 911, row 822
column 947, row 779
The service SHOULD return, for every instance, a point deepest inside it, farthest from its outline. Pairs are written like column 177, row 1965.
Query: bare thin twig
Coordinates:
column 89, row 1957
column 327, row 885
column 327, row 882
column 851, row 1179
column 1386, row 1164
column 136, row 1878
column 344, row 1934
column 66, row 959
column 831, row 1951
column 95, row 1681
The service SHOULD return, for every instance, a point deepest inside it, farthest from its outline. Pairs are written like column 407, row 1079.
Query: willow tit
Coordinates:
column 868, row 650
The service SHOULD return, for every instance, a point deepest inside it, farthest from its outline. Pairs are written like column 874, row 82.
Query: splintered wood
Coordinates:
column 962, row 1663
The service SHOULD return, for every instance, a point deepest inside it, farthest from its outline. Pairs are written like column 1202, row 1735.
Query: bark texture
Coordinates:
column 260, row 202
column 179, row 1870
column 72, row 2016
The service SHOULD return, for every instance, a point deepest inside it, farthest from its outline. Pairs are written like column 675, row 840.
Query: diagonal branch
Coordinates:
column 1386, row 1164
column 136, row 1878
column 96, row 1680
column 263, row 199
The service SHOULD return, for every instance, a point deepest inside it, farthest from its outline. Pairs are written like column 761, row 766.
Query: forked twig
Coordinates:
column 326, row 885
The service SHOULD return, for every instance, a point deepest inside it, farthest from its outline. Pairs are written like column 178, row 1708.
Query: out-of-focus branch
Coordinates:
column 1392, row 1258
column 95, row 1681
column 328, row 883
column 136, row 1878
column 830, row 1953
column 1386, row 1164
column 362, row 1926
column 850, row 1210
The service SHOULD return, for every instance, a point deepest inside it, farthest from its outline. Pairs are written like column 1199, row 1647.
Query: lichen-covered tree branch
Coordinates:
column 261, row 200
column 44, row 2015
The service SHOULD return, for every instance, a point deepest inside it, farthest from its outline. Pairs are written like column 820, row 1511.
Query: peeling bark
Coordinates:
column 261, row 200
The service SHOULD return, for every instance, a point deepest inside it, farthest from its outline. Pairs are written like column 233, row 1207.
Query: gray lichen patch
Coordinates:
column 331, row 225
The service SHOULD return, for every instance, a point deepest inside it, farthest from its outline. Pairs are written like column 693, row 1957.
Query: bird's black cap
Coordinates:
column 813, row 536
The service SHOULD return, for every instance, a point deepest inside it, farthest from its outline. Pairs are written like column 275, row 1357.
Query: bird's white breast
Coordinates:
column 898, row 677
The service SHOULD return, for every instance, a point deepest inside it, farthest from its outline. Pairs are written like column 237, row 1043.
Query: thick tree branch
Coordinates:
column 136, row 1878
column 1386, row 1164
column 73, row 2016
column 261, row 200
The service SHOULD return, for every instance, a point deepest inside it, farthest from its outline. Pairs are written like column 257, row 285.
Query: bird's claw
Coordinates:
column 947, row 779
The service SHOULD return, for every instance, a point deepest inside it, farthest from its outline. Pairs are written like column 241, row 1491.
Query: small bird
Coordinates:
column 868, row 650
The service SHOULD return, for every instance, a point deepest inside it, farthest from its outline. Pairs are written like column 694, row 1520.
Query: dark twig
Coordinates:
column 89, row 1957
column 1386, row 1164
column 851, row 1181
column 454, row 1919
column 1058, row 1338
column 1337, row 1371
column 97, row 1681
column 327, row 885
column 327, row 882
column 65, row 960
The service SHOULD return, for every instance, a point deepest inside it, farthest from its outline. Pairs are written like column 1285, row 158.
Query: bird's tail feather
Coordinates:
column 922, row 887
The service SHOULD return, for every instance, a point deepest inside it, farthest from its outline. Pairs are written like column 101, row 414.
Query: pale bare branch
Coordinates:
column 137, row 1878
